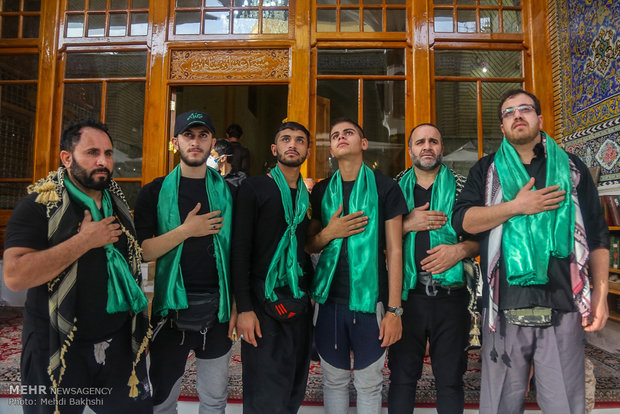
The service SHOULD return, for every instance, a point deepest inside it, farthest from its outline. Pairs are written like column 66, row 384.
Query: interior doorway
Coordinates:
column 259, row 109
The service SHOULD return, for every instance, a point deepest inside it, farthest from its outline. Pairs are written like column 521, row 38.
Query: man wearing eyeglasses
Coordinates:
column 538, row 214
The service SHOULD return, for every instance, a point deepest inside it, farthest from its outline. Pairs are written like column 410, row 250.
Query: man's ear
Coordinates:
column 175, row 143
column 223, row 158
column 66, row 158
column 273, row 150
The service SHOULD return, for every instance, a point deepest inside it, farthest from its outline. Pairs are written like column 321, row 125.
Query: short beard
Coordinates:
column 290, row 163
column 190, row 163
column 86, row 180
column 417, row 161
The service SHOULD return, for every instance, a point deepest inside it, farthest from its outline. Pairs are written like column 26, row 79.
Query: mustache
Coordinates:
column 101, row 170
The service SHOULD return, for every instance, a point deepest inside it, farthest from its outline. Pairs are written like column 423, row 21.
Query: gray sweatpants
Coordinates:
column 558, row 355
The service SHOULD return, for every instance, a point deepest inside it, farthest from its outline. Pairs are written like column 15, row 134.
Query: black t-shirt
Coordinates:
column 198, row 264
column 391, row 204
column 27, row 227
column 258, row 226
column 422, row 196
column 556, row 293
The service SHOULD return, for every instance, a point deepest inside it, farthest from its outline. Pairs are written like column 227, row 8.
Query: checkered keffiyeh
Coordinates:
column 580, row 284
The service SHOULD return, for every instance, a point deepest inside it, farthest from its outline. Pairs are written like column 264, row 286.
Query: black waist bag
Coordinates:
column 286, row 307
column 201, row 313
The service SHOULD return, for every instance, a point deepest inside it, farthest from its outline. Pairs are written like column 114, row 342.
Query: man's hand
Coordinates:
column 533, row 202
column 341, row 227
column 96, row 234
column 247, row 326
column 391, row 329
column 421, row 218
column 599, row 310
column 198, row 225
column 441, row 258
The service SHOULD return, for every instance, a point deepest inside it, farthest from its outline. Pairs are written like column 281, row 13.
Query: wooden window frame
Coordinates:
column 95, row 40
column 361, row 35
column 315, row 77
column 20, row 27
column 59, row 101
column 472, row 36
column 472, row 79
column 231, row 36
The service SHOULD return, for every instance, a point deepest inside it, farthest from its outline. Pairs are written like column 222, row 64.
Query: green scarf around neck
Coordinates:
column 529, row 240
column 362, row 248
column 124, row 294
column 442, row 199
column 169, row 288
column 284, row 269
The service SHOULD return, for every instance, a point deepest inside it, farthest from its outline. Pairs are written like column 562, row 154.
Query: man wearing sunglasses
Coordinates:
column 538, row 214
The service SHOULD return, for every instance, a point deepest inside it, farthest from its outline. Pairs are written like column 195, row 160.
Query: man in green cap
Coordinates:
column 184, row 221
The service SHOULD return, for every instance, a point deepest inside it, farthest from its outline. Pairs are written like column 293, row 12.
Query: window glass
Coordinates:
column 384, row 125
column 275, row 21
column 96, row 25
column 17, row 111
column 81, row 100
column 106, row 65
column 373, row 20
column 512, row 21
column 139, row 24
column 443, row 21
column 457, row 119
column 187, row 23
column 478, row 63
column 125, row 118
column 75, row 25
column 12, row 193
column 491, row 94
column 118, row 24
column 14, row 67
column 361, row 62
column 10, row 27
column 217, row 22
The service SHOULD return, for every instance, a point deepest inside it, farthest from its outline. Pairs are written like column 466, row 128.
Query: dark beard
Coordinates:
column 190, row 163
column 79, row 174
column 290, row 163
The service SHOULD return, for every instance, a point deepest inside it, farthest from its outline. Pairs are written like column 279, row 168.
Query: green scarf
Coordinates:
column 284, row 268
column 169, row 288
column 124, row 294
column 529, row 240
column 442, row 199
column 362, row 247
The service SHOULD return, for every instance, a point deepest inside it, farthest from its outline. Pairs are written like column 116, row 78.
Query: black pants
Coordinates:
column 275, row 373
column 169, row 350
column 95, row 376
column 444, row 321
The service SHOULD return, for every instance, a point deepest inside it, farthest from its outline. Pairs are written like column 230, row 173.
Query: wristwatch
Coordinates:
column 397, row 311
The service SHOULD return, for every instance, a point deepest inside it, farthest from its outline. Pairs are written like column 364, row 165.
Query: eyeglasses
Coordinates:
column 523, row 109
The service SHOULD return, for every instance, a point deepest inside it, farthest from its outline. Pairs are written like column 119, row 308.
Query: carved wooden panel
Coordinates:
column 224, row 64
